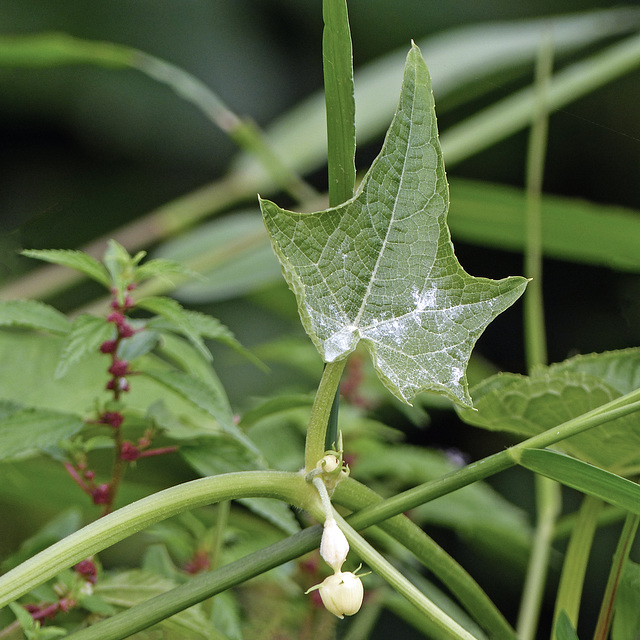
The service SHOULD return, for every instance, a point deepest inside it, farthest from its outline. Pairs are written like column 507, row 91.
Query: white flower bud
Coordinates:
column 334, row 546
column 342, row 593
column 329, row 463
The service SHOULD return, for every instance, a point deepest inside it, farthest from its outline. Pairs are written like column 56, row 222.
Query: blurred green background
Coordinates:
column 84, row 150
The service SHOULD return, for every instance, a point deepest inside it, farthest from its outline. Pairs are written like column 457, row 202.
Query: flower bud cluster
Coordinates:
column 342, row 592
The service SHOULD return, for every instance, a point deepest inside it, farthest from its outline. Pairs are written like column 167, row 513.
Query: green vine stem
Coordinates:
column 120, row 524
column 575, row 562
column 548, row 495
column 320, row 411
column 620, row 557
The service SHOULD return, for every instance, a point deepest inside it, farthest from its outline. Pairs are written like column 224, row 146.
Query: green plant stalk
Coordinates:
column 512, row 114
column 547, row 492
column 134, row 517
column 286, row 486
column 449, row 627
column 358, row 498
column 575, row 562
column 620, row 557
column 320, row 411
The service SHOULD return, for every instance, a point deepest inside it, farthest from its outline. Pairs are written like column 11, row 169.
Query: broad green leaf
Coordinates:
column 584, row 477
column 381, row 268
column 77, row 260
column 626, row 621
column 33, row 315
column 86, row 335
column 527, row 405
column 162, row 267
column 178, row 319
column 564, row 628
column 23, row 431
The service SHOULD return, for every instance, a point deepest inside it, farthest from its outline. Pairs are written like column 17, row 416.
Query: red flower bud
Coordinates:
column 129, row 452
column 101, row 494
column 119, row 368
column 108, row 346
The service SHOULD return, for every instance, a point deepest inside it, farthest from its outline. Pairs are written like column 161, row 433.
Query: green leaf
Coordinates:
column 626, row 621
column 77, row 260
column 339, row 98
column 381, row 267
column 86, row 335
column 584, row 477
column 162, row 267
column 179, row 320
column 34, row 315
column 552, row 395
column 564, row 628
column 203, row 396
column 25, row 430
column 493, row 215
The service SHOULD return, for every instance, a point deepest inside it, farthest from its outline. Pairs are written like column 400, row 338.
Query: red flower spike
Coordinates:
column 109, row 346
column 116, row 317
column 88, row 569
column 129, row 452
column 101, row 494
column 112, row 418
column 125, row 330
column 119, row 368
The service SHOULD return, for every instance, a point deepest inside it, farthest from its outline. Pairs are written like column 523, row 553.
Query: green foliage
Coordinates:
column 124, row 402
column 391, row 278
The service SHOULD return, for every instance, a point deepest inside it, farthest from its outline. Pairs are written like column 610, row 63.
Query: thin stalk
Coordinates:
column 547, row 492
column 224, row 507
column 575, row 562
column 620, row 558
column 320, row 411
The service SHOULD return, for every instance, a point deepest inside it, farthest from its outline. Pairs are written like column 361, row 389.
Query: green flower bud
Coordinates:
column 342, row 593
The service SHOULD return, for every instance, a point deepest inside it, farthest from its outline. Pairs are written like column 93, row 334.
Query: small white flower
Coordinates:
column 342, row 593
column 334, row 545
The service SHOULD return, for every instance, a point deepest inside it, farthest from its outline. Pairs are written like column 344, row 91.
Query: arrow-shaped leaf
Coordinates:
column 381, row 267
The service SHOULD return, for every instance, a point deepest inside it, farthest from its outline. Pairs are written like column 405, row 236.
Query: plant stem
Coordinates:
column 575, row 562
column 318, row 420
column 106, row 531
column 547, row 492
column 620, row 557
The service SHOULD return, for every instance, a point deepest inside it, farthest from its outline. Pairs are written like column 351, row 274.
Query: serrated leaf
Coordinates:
column 77, row 260
column 528, row 405
column 179, row 319
column 33, row 315
column 25, row 430
column 381, row 268
column 86, row 335
column 163, row 267
column 203, row 396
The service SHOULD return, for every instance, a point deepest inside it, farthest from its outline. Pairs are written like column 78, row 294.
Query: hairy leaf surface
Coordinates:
column 381, row 267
